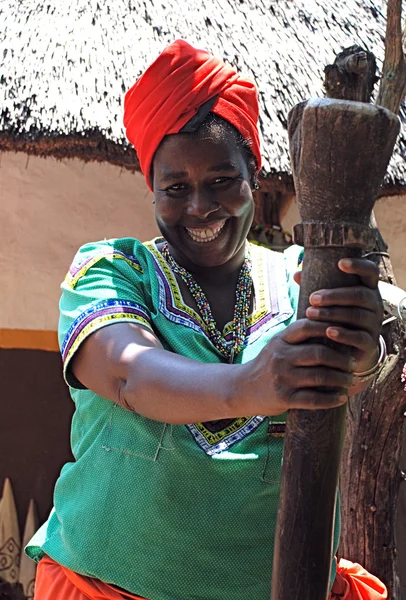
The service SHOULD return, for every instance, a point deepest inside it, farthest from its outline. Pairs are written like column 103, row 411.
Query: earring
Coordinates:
column 153, row 201
column 255, row 185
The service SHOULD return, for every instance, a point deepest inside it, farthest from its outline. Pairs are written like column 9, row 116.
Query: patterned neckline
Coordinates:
column 269, row 304
column 241, row 309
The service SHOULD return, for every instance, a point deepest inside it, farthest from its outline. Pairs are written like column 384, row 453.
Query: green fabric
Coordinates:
column 166, row 511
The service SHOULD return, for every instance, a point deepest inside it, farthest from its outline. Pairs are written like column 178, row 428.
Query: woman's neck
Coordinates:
column 213, row 275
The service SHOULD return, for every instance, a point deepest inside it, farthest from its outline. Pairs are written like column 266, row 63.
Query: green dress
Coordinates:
column 168, row 512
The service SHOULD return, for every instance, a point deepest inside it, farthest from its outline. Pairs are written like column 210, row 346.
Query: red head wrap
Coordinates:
column 171, row 91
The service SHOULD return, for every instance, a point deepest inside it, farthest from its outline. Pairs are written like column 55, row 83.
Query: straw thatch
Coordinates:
column 66, row 65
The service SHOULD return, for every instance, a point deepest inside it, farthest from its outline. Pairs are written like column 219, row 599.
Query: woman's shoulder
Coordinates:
column 110, row 253
column 127, row 245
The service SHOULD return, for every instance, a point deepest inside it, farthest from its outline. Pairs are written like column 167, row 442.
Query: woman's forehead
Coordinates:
column 211, row 152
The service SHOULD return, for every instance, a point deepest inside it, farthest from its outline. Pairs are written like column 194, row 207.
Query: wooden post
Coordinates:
column 339, row 151
column 370, row 476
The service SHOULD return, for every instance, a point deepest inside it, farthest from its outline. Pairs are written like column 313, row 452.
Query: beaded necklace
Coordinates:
column 241, row 308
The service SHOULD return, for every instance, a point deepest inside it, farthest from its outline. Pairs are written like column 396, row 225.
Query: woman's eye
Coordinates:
column 176, row 188
column 224, row 180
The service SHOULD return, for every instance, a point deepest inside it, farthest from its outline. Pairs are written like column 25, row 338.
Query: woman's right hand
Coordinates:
column 289, row 373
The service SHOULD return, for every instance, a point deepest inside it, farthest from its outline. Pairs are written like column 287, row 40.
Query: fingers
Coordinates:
column 365, row 269
column 361, row 340
column 318, row 377
column 354, row 317
column 302, row 372
column 313, row 354
column 303, row 330
column 309, row 399
column 358, row 308
column 350, row 296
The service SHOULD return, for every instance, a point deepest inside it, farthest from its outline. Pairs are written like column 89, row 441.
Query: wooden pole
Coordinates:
column 370, row 477
column 339, row 151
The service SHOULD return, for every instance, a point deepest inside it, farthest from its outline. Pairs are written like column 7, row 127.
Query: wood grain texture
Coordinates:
column 370, row 471
column 337, row 170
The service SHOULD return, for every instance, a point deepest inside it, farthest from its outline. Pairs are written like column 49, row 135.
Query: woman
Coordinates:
column 176, row 349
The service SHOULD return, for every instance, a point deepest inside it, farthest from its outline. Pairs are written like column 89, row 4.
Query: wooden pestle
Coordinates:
column 339, row 153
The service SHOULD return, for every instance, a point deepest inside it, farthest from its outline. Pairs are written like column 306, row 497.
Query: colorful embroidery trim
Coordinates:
column 98, row 316
column 80, row 266
column 272, row 307
column 216, row 436
column 241, row 309
column 272, row 304
column 170, row 299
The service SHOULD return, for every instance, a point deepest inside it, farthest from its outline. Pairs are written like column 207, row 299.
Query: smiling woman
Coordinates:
column 182, row 356
column 210, row 201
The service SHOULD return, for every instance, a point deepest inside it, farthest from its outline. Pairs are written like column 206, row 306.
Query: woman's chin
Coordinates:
column 205, row 253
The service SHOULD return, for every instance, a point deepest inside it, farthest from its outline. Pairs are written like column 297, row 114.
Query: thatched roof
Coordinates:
column 65, row 66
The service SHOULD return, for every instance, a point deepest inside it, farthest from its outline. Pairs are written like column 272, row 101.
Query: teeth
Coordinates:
column 206, row 235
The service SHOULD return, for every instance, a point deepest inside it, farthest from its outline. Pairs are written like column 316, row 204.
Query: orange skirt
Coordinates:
column 353, row 582
column 55, row 582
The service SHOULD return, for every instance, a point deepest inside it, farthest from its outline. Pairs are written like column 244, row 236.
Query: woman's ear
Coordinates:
column 254, row 182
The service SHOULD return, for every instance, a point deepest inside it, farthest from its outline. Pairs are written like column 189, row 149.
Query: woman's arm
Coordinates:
column 126, row 363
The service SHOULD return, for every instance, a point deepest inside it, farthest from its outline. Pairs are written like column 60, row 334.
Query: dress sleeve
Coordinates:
column 105, row 284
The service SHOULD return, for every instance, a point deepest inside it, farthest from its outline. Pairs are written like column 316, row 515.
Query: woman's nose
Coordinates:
column 201, row 204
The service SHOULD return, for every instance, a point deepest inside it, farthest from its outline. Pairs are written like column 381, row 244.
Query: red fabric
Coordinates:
column 55, row 582
column 353, row 582
column 171, row 91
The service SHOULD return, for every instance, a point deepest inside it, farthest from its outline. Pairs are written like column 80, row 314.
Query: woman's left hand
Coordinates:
column 356, row 313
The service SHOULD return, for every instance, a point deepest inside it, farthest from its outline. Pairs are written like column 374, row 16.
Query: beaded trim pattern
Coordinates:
column 272, row 303
column 215, row 437
column 241, row 309
column 170, row 299
column 277, row 307
column 272, row 306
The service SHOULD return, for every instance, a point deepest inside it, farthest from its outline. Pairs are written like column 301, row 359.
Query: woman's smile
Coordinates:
column 205, row 234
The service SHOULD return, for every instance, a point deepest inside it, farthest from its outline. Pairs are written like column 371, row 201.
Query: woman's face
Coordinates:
column 203, row 200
